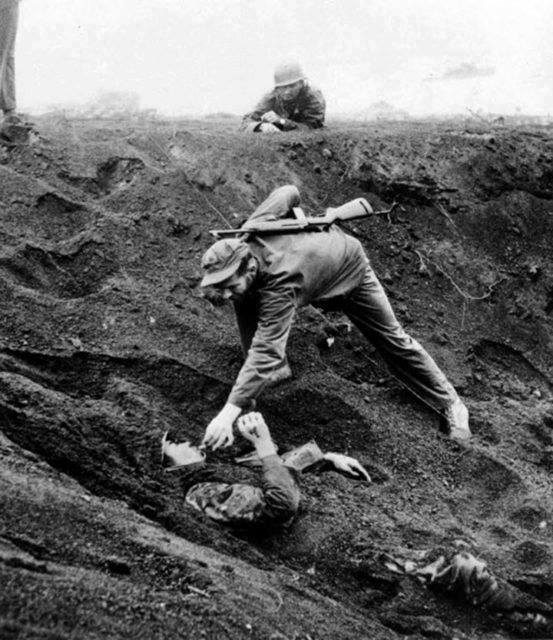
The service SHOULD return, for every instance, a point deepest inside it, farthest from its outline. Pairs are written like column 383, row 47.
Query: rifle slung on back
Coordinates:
column 352, row 210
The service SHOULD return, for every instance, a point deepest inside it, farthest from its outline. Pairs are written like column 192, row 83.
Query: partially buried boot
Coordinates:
column 457, row 421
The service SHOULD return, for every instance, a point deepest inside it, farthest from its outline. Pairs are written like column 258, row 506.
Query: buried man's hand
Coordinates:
column 254, row 428
column 219, row 430
column 347, row 465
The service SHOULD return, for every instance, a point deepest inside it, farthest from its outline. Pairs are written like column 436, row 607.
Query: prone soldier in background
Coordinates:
column 292, row 102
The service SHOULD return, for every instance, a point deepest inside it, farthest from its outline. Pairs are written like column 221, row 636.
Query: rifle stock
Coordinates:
column 358, row 208
column 353, row 210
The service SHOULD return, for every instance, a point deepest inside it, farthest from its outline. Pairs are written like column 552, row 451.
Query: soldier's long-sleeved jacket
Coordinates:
column 244, row 505
column 308, row 108
column 294, row 270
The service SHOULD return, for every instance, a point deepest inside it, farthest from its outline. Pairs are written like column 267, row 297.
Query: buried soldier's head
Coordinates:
column 229, row 267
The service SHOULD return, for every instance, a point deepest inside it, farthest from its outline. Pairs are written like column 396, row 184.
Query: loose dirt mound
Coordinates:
column 107, row 342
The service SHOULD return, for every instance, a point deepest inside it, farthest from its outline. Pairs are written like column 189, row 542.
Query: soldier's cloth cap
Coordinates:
column 222, row 259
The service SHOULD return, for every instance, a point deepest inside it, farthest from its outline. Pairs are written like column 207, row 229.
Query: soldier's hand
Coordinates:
column 270, row 116
column 267, row 127
column 219, row 430
column 347, row 465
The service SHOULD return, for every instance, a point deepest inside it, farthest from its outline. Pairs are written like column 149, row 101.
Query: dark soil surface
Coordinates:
column 106, row 342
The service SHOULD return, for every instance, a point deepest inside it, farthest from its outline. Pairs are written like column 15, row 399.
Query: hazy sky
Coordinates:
column 201, row 56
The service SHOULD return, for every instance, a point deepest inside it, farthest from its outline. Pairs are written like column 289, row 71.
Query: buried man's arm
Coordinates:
column 267, row 354
column 280, row 491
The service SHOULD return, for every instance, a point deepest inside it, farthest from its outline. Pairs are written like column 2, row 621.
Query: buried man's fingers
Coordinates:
column 253, row 427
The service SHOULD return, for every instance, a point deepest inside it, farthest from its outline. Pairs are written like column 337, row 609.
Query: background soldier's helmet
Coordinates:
column 288, row 73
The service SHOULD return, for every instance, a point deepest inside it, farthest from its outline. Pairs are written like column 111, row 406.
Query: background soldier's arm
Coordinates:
column 252, row 120
column 313, row 110
column 285, row 124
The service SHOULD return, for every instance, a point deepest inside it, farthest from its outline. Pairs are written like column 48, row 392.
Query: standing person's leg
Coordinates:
column 9, row 10
column 368, row 308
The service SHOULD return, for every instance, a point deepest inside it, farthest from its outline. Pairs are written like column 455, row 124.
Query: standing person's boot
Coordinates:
column 457, row 420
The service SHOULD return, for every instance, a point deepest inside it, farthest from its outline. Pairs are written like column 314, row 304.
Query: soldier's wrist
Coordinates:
column 230, row 411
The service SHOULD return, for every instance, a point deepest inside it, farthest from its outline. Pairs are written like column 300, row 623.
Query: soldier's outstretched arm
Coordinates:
column 267, row 352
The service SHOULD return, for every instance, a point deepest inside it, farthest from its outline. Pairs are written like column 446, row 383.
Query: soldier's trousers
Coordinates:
column 367, row 306
column 9, row 10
